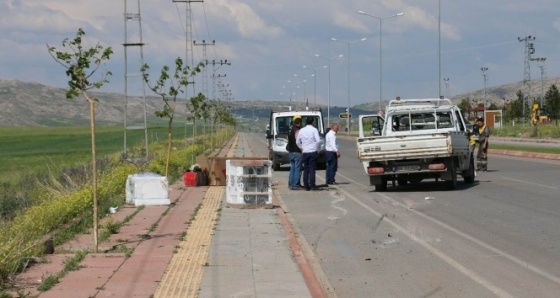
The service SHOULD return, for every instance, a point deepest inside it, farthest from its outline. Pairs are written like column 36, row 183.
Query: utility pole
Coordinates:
column 214, row 69
column 446, row 80
column 529, row 50
column 204, row 71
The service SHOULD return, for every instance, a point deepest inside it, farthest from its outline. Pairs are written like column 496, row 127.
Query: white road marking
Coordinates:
column 527, row 182
column 445, row 257
column 449, row 260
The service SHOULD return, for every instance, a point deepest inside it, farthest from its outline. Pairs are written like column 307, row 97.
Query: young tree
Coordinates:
column 169, row 86
column 552, row 100
column 81, row 64
column 197, row 103
column 517, row 106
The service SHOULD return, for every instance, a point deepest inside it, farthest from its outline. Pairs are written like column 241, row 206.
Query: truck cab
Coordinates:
column 277, row 135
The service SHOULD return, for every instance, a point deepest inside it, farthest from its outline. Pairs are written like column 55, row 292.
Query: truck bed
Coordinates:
column 433, row 145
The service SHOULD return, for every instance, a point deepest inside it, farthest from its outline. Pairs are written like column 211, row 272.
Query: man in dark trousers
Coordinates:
column 294, row 153
column 309, row 142
column 332, row 153
column 482, row 154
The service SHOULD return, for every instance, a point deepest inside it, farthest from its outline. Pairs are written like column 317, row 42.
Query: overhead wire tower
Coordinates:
column 529, row 50
column 135, row 103
column 188, row 36
column 189, row 60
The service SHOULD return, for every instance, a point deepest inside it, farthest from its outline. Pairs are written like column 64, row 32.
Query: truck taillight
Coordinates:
column 436, row 166
column 376, row 170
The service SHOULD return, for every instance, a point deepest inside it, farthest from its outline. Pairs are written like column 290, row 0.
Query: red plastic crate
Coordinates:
column 190, row 178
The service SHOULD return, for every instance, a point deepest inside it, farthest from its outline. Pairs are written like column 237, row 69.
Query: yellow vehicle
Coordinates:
column 538, row 115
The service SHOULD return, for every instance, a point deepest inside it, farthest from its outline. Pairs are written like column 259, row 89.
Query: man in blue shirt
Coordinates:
column 309, row 142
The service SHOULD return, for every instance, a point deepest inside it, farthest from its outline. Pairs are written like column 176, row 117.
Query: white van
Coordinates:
column 277, row 135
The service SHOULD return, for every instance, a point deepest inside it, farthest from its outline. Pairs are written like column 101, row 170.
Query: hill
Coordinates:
column 34, row 104
column 496, row 94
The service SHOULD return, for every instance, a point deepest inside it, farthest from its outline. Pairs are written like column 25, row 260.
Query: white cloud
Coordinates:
column 269, row 41
column 248, row 22
column 556, row 24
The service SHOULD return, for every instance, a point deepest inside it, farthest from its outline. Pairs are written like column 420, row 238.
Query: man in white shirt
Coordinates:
column 309, row 142
column 332, row 154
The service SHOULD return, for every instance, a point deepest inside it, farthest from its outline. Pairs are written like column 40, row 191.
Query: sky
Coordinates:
column 423, row 53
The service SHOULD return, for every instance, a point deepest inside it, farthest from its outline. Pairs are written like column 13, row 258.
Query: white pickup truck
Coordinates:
column 420, row 139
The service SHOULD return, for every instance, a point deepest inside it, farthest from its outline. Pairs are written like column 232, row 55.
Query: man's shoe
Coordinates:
column 316, row 188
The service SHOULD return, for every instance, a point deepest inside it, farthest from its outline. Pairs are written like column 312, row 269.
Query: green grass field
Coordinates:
column 27, row 151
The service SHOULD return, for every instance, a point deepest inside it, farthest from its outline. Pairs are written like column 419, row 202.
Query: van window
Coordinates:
column 283, row 124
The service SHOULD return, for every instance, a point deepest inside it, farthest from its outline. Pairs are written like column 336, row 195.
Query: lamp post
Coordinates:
column 314, row 75
column 290, row 97
column 329, row 88
column 348, row 106
column 541, row 65
column 484, row 69
column 446, row 80
column 381, row 49
column 297, row 86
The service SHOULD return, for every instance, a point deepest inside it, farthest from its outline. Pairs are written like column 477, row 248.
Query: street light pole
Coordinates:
column 381, row 49
column 348, row 106
column 315, row 84
column 329, row 88
column 446, row 80
column 484, row 69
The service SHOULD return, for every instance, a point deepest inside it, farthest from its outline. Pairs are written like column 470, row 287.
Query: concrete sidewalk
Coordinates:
column 197, row 247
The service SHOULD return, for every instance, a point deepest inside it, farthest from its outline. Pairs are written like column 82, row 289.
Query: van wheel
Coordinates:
column 276, row 166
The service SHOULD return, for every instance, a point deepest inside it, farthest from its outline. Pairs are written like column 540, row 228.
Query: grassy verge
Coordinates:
column 525, row 148
column 21, row 236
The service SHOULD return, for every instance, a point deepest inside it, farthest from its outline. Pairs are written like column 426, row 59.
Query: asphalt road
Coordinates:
column 498, row 237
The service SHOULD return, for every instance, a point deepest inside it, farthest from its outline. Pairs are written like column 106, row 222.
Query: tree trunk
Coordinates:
column 169, row 135
column 94, row 170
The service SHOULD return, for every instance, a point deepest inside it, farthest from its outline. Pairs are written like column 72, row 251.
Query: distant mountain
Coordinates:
column 499, row 94
column 495, row 94
column 34, row 104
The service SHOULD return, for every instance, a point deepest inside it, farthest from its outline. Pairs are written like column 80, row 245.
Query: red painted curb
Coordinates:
column 313, row 284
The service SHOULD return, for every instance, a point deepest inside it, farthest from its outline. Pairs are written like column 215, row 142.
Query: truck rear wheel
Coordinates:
column 452, row 183
column 381, row 186
column 468, row 175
